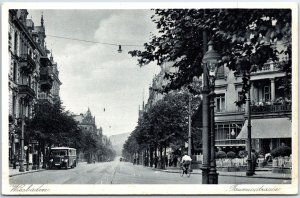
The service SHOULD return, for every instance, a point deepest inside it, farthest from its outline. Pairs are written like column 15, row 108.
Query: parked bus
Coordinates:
column 62, row 157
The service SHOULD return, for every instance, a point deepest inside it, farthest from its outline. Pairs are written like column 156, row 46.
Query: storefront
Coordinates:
column 268, row 134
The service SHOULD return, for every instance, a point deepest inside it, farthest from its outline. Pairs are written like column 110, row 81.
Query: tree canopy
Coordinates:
column 52, row 125
column 165, row 124
column 244, row 37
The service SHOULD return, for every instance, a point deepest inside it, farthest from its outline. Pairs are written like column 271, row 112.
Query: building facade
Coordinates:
column 270, row 107
column 270, row 110
column 30, row 76
column 87, row 123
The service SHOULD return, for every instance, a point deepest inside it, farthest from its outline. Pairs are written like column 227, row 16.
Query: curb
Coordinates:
column 26, row 172
column 220, row 174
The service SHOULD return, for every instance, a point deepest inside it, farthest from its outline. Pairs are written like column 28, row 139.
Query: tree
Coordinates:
column 221, row 155
column 231, row 155
column 52, row 125
column 163, row 125
column 281, row 151
column 244, row 37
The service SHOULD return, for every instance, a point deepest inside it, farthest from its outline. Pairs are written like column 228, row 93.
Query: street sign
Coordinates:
column 25, row 148
column 33, row 141
column 186, row 144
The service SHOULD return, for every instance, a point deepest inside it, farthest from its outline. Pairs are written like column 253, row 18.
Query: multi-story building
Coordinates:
column 157, row 82
column 270, row 110
column 28, row 79
column 87, row 123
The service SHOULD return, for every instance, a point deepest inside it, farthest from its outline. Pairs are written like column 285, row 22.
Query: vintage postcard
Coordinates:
column 149, row 98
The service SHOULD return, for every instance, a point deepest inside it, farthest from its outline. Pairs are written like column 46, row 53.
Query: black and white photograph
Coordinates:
column 149, row 99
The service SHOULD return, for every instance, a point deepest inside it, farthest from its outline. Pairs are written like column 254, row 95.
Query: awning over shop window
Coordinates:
column 267, row 128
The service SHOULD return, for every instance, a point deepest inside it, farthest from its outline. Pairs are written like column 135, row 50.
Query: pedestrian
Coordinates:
column 254, row 159
column 134, row 161
column 155, row 161
column 175, row 161
column 166, row 160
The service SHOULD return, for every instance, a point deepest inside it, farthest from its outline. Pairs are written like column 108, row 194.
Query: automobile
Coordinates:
column 62, row 157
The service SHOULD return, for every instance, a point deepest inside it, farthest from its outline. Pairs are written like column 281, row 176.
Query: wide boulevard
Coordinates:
column 117, row 172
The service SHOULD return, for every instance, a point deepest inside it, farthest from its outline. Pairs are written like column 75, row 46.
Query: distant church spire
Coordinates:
column 51, row 56
column 42, row 20
column 143, row 102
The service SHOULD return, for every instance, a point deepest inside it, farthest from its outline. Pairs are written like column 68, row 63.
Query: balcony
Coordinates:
column 46, row 80
column 45, row 97
column 268, row 67
column 27, row 64
column 26, row 91
column 274, row 108
column 45, row 61
column 230, row 142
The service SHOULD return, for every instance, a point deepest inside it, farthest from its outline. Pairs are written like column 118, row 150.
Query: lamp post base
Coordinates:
column 205, row 175
column 21, row 169
column 213, row 177
column 15, row 162
column 249, row 171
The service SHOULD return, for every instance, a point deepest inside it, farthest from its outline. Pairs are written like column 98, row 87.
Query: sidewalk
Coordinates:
column 15, row 172
column 259, row 173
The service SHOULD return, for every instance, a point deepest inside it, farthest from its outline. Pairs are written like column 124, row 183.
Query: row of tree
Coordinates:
column 163, row 125
column 51, row 125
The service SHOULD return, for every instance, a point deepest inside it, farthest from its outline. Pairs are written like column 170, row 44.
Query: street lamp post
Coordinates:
column 190, row 129
column 211, row 60
column 205, row 121
column 22, row 145
column 250, row 168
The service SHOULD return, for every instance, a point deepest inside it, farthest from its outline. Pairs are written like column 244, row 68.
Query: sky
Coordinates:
column 94, row 75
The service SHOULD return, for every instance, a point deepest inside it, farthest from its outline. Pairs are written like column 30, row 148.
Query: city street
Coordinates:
column 117, row 172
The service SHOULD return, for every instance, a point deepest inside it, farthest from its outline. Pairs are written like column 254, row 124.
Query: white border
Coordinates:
column 115, row 189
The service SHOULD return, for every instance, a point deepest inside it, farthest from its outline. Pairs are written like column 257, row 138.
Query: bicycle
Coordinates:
column 185, row 170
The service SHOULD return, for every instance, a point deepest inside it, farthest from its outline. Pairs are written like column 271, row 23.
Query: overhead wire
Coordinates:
column 97, row 42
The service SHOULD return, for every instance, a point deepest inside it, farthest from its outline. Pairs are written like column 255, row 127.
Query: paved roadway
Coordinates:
column 117, row 172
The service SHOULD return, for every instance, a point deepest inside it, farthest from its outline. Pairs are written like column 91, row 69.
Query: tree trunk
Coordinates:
column 155, row 157
column 151, row 156
column 165, row 156
column 44, row 156
column 161, row 161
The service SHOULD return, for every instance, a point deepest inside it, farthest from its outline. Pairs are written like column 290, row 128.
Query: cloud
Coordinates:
column 97, row 76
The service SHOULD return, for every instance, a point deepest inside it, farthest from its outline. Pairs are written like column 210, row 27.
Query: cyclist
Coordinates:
column 186, row 162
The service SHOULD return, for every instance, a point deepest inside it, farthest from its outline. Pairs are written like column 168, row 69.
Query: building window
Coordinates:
column 220, row 102
column 29, row 81
column 28, row 111
column 220, row 72
column 242, row 107
column 16, row 43
column 15, row 72
column 227, row 131
column 20, row 109
column 14, row 105
column 267, row 93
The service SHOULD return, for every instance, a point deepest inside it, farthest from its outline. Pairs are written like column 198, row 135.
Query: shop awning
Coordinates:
column 267, row 128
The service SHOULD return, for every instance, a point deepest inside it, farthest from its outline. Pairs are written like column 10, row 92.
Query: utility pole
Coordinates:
column 190, row 129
